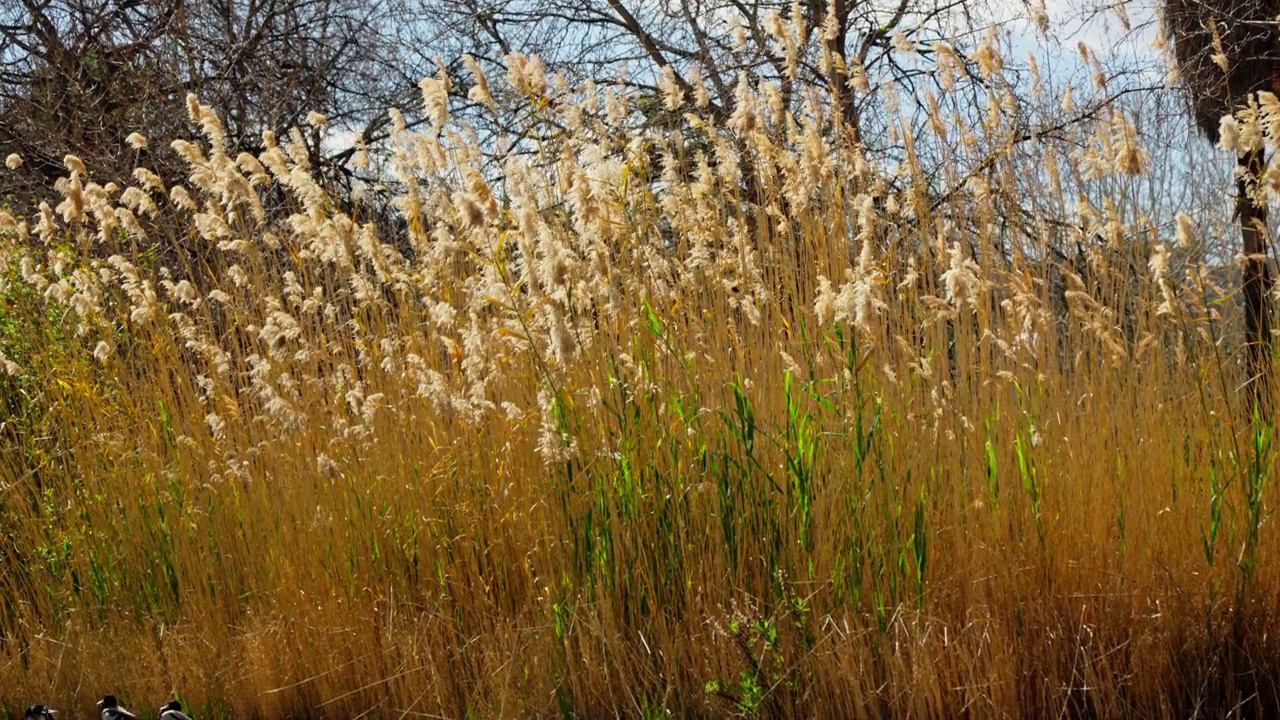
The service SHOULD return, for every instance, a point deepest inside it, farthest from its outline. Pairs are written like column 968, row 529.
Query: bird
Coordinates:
column 39, row 712
column 112, row 711
column 173, row 711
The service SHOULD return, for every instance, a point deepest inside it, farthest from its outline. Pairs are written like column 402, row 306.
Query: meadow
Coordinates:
column 713, row 420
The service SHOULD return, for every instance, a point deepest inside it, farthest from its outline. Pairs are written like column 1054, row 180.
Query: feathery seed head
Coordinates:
column 75, row 165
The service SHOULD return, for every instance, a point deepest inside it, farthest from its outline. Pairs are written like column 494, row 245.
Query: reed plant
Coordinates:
column 700, row 422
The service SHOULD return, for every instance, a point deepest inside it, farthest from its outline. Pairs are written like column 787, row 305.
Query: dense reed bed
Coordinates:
column 703, row 421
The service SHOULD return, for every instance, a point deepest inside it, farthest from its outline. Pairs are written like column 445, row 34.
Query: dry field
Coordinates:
column 725, row 420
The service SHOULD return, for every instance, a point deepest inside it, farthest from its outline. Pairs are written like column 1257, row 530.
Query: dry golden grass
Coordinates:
column 750, row 427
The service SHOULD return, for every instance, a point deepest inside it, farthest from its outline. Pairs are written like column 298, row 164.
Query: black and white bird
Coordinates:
column 39, row 712
column 112, row 711
column 173, row 711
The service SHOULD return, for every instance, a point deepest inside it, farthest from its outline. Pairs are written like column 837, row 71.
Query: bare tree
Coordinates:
column 851, row 50
column 1228, row 50
column 78, row 76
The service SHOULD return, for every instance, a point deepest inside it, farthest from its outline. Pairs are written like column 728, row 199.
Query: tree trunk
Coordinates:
column 1257, row 281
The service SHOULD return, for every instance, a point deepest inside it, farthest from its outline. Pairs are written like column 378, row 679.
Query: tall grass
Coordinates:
column 724, row 420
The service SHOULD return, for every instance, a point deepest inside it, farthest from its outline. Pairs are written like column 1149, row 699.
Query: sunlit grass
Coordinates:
column 742, row 424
